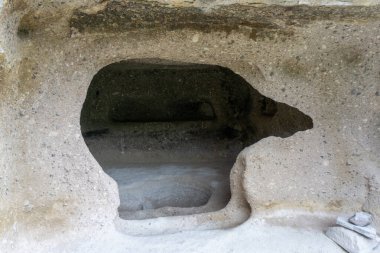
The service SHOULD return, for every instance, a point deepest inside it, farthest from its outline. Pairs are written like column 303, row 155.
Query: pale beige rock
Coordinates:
column 322, row 61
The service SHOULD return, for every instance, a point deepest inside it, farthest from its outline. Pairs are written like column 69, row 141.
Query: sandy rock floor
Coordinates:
column 249, row 237
column 157, row 190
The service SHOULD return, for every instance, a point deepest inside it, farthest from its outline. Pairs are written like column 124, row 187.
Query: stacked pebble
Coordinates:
column 355, row 234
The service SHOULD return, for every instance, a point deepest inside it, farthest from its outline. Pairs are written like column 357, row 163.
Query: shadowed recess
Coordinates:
column 169, row 132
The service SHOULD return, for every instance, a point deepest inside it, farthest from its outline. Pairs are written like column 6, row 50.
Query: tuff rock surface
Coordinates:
column 322, row 58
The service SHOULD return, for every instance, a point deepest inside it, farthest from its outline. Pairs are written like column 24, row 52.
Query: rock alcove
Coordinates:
column 169, row 132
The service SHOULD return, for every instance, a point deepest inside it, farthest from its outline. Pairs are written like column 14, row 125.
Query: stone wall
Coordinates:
column 322, row 60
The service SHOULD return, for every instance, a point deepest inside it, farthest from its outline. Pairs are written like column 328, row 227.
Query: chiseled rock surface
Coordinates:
column 322, row 60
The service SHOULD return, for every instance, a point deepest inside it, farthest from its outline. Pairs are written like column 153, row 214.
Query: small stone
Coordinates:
column 195, row 38
column 27, row 206
column 367, row 231
column 361, row 219
column 350, row 241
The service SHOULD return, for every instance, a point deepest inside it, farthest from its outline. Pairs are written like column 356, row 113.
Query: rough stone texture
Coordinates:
column 54, row 195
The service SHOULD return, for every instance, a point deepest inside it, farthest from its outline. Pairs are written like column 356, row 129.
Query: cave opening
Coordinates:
column 169, row 132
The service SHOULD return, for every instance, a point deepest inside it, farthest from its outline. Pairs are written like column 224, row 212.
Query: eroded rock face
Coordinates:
column 321, row 60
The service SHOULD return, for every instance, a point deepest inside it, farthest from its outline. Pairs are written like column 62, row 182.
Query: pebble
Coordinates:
column 361, row 219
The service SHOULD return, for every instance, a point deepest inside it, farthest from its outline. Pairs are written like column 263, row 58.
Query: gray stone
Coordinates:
column 361, row 219
column 351, row 241
column 367, row 231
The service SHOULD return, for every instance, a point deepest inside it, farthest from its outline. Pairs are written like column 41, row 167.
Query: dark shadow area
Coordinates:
column 169, row 132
